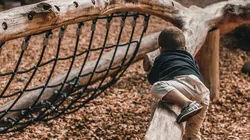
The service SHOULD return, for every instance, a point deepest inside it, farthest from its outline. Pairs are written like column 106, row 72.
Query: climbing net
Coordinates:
column 85, row 75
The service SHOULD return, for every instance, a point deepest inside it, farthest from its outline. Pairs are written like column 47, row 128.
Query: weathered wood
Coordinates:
column 163, row 125
column 51, row 14
column 208, row 60
column 47, row 16
column 200, row 3
column 148, row 44
column 44, row 16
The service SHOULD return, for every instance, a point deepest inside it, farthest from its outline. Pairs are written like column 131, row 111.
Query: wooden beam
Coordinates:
column 208, row 60
column 50, row 14
column 163, row 125
column 30, row 19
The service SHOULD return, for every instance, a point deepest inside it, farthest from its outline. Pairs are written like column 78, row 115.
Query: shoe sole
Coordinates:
column 189, row 115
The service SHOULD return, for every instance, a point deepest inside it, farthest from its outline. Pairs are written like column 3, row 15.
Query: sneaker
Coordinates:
column 188, row 111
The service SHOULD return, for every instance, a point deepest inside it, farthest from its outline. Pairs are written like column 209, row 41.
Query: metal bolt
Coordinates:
column 4, row 25
column 57, row 8
column 76, row 4
column 46, row 6
column 30, row 16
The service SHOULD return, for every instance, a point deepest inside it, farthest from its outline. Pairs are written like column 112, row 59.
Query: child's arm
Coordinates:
column 153, row 75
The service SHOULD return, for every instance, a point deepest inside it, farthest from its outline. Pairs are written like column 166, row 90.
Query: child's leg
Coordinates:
column 194, row 124
column 199, row 93
column 167, row 93
column 175, row 96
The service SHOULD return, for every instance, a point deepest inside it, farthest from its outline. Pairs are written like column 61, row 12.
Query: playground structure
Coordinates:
column 44, row 17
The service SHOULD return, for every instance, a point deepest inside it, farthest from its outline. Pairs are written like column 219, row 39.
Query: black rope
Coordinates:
column 69, row 95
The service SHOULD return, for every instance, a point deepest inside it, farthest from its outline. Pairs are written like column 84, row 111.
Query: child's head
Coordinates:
column 171, row 39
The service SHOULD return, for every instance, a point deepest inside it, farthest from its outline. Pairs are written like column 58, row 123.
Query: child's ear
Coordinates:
column 185, row 48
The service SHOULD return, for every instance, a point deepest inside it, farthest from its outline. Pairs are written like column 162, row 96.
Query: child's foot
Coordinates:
column 188, row 111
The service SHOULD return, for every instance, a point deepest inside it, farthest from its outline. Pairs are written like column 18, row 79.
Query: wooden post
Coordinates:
column 208, row 60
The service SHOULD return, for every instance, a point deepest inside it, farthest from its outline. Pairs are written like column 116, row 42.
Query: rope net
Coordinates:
column 58, row 71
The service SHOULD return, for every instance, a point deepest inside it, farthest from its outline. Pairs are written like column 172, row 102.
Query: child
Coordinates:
column 176, row 79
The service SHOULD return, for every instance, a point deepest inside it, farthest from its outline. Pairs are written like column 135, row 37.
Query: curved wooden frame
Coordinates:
column 194, row 21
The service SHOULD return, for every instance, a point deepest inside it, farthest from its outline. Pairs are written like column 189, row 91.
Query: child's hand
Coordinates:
column 147, row 65
column 149, row 59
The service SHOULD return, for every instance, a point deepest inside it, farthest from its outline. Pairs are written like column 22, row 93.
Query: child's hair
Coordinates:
column 171, row 39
